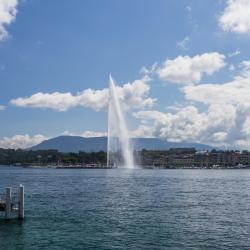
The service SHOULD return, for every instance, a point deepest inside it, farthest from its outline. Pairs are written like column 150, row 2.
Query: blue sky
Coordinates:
column 70, row 46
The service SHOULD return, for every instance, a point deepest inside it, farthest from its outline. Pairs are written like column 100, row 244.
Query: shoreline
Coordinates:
column 138, row 167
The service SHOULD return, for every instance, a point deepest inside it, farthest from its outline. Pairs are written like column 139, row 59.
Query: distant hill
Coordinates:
column 95, row 144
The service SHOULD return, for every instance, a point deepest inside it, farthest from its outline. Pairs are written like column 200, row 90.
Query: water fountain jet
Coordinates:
column 119, row 149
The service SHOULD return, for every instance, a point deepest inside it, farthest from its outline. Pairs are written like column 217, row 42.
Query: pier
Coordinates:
column 12, row 204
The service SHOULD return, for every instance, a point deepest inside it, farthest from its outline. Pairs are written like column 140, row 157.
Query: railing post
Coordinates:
column 21, row 202
column 8, row 203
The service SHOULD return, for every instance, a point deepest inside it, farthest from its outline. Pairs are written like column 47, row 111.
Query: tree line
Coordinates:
column 45, row 157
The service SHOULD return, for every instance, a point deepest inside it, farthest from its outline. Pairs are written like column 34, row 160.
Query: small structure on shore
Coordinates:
column 9, row 205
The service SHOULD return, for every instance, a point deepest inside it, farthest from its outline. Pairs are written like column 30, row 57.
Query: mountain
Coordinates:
column 95, row 144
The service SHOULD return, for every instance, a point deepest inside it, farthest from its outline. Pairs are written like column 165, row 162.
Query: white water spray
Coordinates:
column 118, row 136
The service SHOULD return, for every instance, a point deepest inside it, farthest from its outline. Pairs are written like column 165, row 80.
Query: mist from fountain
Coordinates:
column 119, row 148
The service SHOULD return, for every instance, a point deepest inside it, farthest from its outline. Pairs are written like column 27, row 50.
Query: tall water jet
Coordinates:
column 119, row 149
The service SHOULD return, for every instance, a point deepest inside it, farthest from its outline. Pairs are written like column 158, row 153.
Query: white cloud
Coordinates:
column 184, row 43
column 89, row 133
column 229, row 105
column 189, row 70
column 236, row 92
column 21, row 141
column 57, row 101
column 2, row 107
column 235, row 17
column 188, row 124
column 234, row 53
column 142, row 131
column 8, row 11
column 132, row 95
column 245, row 68
column 225, row 122
column 219, row 136
column 86, row 133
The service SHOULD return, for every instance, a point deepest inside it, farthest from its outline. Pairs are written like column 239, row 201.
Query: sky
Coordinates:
column 182, row 69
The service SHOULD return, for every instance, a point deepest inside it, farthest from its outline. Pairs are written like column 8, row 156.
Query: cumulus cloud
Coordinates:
column 225, row 122
column 132, row 95
column 143, row 131
column 236, row 92
column 190, row 70
column 228, row 105
column 96, row 99
column 188, row 124
column 8, row 11
column 21, row 141
column 87, row 133
column 245, row 68
column 2, row 107
column 235, row 17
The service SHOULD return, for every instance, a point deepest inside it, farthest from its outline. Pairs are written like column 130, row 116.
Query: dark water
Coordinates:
column 122, row 209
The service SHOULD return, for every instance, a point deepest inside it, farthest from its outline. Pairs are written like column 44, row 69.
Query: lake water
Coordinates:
column 129, row 209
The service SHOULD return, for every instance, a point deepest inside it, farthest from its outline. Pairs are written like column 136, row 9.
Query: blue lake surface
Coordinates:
column 129, row 209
